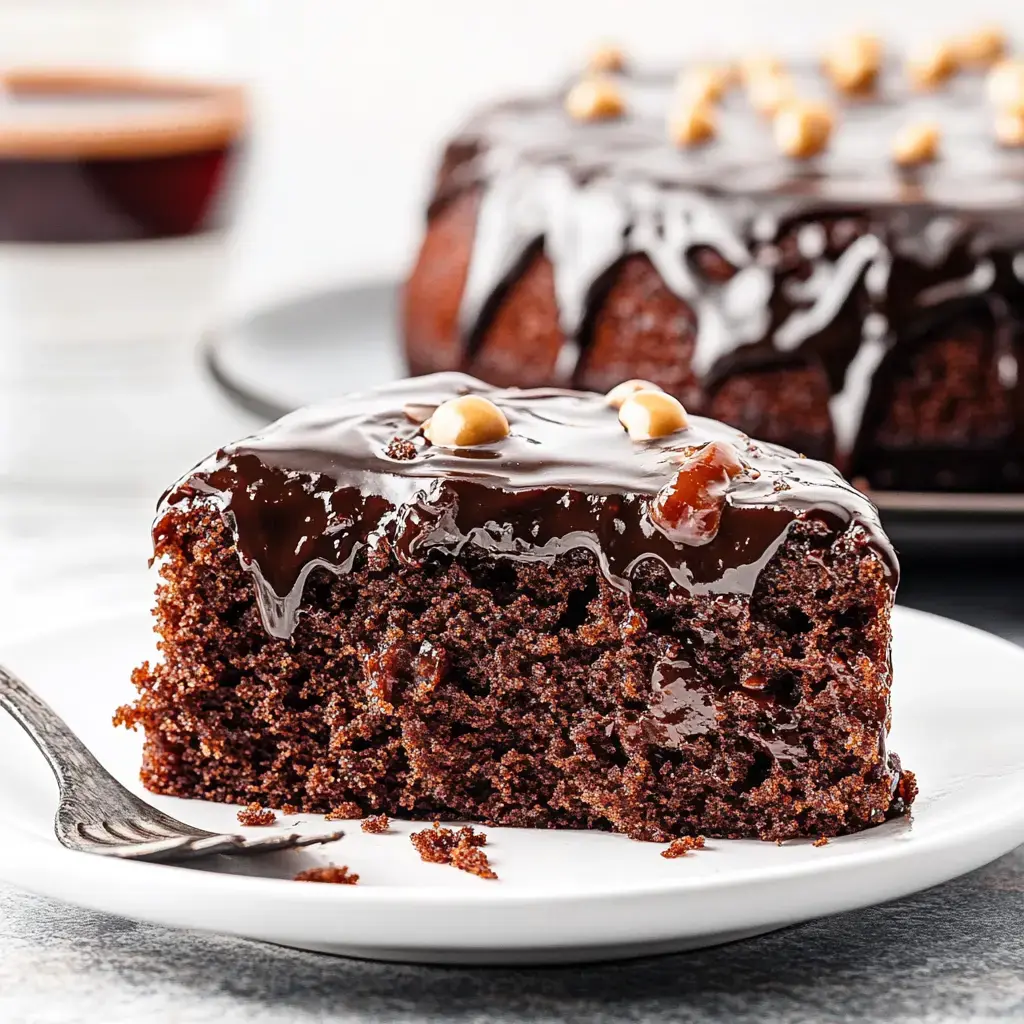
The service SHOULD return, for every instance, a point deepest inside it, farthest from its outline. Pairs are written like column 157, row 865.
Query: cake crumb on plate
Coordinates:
column 461, row 849
column 472, row 859
column 682, row 846
column 256, row 815
column 330, row 873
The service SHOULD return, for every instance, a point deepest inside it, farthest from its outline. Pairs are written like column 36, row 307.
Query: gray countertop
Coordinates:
column 91, row 433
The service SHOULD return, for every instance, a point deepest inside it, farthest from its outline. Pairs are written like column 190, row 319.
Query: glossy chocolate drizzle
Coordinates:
column 836, row 261
column 327, row 483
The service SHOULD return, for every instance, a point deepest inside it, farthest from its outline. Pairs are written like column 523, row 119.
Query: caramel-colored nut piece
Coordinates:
column 982, row 47
column 606, row 57
column 1005, row 86
column 704, row 84
column 466, row 421
column 688, row 509
column 916, row 144
column 621, row 392
column 692, row 124
column 769, row 93
column 1010, row 129
column 853, row 63
column 930, row 64
column 595, row 98
column 647, row 415
column 802, row 130
column 760, row 65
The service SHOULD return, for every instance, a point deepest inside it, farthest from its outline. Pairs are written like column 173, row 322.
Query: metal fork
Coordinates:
column 96, row 814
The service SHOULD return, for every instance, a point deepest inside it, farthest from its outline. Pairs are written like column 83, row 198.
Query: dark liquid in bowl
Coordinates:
column 109, row 200
column 83, row 164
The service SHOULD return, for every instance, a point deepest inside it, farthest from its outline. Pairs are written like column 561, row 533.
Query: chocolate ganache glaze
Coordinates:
column 328, row 482
column 845, row 262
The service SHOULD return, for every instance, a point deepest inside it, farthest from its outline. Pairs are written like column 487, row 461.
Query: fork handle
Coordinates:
column 66, row 754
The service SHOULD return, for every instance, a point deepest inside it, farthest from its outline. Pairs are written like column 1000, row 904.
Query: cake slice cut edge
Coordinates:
column 514, row 632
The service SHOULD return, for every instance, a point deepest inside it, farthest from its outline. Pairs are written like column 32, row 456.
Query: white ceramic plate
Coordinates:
column 562, row 896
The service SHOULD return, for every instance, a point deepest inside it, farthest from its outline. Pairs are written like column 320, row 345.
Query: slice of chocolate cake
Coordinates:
column 534, row 608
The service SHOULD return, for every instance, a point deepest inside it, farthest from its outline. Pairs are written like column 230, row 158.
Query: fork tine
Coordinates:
column 288, row 841
column 267, row 844
column 124, row 832
column 186, row 848
column 147, row 851
column 327, row 837
column 149, row 832
column 213, row 844
column 97, row 835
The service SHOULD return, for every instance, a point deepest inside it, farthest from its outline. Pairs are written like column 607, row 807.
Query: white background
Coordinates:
column 352, row 97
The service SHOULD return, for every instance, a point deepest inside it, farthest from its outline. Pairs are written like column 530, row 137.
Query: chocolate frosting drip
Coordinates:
column 327, row 483
column 835, row 261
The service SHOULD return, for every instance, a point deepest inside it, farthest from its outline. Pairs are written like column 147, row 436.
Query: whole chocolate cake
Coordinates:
column 525, row 607
column 827, row 258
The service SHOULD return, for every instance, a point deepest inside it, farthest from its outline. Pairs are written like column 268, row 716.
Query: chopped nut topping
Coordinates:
column 621, row 392
column 688, row 509
column 704, row 84
column 802, row 130
column 1005, row 86
column 982, row 47
column 916, row 144
column 854, row 62
column 1010, row 129
column 651, row 414
column 930, row 64
column 692, row 124
column 606, row 57
column 466, row 421
column 769, row 93
column 595, row 98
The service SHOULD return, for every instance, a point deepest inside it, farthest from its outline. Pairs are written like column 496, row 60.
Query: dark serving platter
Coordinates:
column 318, row 346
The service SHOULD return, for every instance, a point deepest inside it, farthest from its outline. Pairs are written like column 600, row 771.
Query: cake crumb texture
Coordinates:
column 461, row 849
column 256, row 815
column 344, row 812
column 472, row 859
column 435, row 844
column 529, row 694
column 682, row 846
